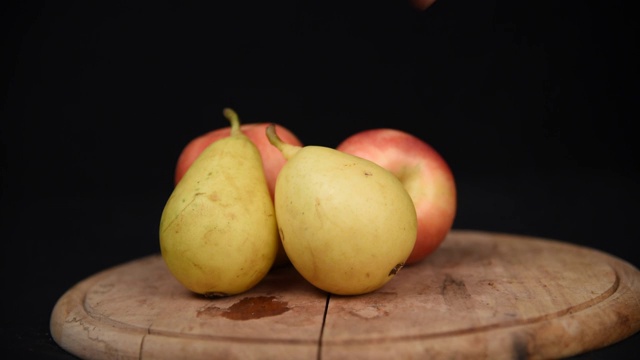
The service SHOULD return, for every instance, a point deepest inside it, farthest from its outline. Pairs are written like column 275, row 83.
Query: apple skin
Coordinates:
column 425, row 175
column 421, row 4
column 272, row 158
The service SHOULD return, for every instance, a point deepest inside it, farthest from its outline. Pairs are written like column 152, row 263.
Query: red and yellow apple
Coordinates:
column 272, row 159
column 425, row 175
column 421, row 4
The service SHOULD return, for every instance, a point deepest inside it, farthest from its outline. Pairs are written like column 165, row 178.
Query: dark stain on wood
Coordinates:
column 249, row 308
column 454, row 290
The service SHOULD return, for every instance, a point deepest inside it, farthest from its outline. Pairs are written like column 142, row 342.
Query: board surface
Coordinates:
column 481, row 294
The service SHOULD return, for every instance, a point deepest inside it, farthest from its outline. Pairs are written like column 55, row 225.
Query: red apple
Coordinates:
column 425, row 174
column 272, row 159
column 421, row 4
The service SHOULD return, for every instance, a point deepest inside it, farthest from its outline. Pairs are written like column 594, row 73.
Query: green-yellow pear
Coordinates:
column 346, row 224
column 218, row 232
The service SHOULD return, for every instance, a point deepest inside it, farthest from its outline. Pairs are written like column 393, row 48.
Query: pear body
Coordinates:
column 346, row 224
column 218, row 232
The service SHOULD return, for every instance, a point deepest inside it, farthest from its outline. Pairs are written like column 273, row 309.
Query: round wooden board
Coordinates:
column 481, row 295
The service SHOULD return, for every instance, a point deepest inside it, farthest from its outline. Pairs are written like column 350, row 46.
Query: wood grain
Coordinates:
column 480, row 295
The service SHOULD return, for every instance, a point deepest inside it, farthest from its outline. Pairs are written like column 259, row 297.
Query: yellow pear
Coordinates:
column 218, row 232
column 346, row 224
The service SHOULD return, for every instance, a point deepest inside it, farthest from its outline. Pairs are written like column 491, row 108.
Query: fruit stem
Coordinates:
column 233, row 119
column 287, row 150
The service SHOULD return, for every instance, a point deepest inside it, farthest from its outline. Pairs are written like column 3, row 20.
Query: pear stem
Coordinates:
column 287, row 150
column 233, row 119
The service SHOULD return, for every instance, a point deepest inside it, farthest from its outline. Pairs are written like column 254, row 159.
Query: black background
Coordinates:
column 532, row 104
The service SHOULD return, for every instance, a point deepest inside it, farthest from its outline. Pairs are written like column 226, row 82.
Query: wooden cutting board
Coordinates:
column 481, row 295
